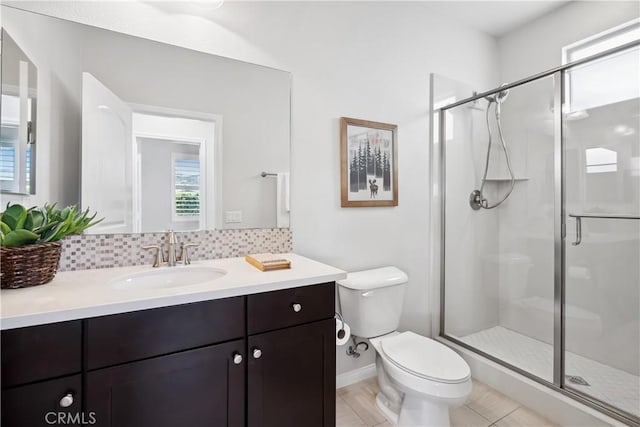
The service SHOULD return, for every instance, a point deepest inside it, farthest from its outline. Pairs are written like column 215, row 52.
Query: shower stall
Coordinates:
column 537, row 184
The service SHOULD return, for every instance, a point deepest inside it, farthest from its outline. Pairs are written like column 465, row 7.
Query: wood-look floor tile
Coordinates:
column 361, row 398
column 355, row 406
column 523, row 417
column 464, row 416
column 478, row 390
column 345, row 416
column 490, row 403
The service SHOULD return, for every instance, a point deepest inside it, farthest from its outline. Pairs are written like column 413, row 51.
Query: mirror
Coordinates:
column 17, row 119
column 154, row 136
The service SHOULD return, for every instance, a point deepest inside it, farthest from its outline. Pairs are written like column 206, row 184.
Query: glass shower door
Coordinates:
column 498, row 264
column 601, row 119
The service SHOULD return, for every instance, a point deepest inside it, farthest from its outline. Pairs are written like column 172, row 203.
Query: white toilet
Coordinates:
column 419, row 378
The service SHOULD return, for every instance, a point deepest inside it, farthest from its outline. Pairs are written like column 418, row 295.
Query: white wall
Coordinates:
column 368, row 60
column 471, row 236
column 537, row 46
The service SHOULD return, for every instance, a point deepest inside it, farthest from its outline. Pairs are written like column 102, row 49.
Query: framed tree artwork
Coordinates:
column 368, row 163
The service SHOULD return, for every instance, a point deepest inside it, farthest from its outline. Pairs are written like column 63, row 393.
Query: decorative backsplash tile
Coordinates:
column 90, row 251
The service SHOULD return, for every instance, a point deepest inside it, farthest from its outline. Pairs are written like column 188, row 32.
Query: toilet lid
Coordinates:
column 425, row 358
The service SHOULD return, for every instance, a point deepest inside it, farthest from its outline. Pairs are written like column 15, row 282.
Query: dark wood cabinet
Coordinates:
column 291, row 377
column 40, row 352
column 46, row 403
column 138, row 335
column 260, row 360
column 202, row 387
column 268, row 311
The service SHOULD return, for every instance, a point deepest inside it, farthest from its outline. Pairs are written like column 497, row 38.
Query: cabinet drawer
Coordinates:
column 277, row 309
column 137, row 335
column 41, row 404
column 41, row 352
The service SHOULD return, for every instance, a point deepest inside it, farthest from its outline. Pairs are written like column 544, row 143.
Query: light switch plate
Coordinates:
column 232, row 216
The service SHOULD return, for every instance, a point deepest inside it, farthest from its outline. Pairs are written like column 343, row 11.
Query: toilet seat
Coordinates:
column 425, row 358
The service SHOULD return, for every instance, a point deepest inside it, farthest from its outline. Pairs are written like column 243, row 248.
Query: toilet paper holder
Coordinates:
column 341, row 332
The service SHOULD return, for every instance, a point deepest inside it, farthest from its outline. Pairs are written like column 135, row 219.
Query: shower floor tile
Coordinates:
column 613, row 386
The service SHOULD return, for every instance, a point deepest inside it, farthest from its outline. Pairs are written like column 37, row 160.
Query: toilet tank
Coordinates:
column 371, row 300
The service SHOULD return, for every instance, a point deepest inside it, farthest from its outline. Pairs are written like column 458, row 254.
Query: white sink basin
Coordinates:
column 167, row 277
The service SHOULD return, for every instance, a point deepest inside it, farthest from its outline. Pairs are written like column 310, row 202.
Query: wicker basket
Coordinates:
column 29, row 265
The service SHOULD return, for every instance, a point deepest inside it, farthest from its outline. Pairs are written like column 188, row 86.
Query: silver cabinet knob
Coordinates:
column 237, row 358
column 66, row 401
column 257, row 353
column 296, row 307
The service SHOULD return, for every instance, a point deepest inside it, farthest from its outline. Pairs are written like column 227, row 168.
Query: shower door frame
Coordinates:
column 558, row 383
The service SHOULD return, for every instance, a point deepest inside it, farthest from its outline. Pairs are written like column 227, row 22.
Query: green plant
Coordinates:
column 20, row 226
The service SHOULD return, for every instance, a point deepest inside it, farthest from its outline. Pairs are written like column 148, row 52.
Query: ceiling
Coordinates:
column 496, row 17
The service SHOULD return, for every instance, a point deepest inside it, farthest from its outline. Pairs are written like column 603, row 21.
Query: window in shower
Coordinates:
column 601, row 160
column 610, row 80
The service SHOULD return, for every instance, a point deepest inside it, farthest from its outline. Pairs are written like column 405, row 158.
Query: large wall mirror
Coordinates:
column 152, row 136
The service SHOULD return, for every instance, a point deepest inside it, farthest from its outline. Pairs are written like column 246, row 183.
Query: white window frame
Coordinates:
column 185, row 218
column 603, row 37
column 569, row 50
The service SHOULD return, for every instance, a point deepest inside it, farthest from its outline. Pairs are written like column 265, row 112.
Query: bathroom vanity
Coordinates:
column 220, row 353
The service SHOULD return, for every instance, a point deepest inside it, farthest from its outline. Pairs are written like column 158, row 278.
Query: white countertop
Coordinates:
column 87, row 293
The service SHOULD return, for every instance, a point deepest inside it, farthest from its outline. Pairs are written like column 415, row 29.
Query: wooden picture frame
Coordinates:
column 368, row 163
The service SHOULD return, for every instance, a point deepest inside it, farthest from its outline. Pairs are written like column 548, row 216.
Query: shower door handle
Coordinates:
column 579, row 217
column 578, row 231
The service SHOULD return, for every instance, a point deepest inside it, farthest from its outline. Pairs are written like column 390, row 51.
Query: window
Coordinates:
column 186, row 187
column 601, row 160
column 10, row 135
column 606, row 81
column 9, row 141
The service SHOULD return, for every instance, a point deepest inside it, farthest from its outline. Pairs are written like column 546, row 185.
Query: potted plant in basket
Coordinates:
column 29, row 241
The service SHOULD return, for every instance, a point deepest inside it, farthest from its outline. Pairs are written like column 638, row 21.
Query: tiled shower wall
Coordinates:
column 88, row 251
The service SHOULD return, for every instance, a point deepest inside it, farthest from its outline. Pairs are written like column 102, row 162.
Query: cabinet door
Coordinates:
column 53, row 402
column 292, row 377
column 202, row 387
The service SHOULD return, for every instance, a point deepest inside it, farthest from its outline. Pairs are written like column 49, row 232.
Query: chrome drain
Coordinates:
column 574, row 379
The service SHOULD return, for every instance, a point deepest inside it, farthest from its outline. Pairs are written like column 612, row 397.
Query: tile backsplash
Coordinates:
column 88, row 251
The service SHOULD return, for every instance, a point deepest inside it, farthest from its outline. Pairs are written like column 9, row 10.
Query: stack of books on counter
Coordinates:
column 268, row 261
